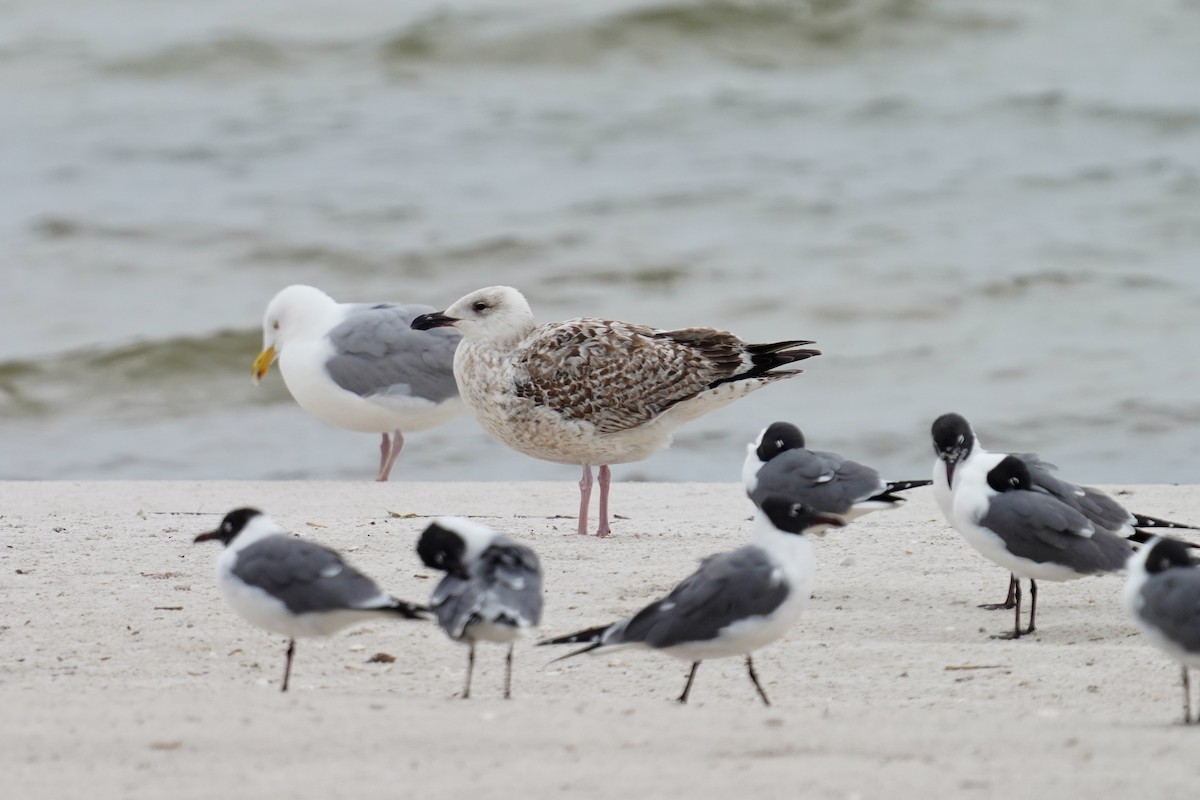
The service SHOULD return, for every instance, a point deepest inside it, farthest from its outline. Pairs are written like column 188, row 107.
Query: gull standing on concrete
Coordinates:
column 596, row 391
column 1162, row 594
column 778, row 464
column 492, row 591
column 292, row 587
column 734, row 604
column 361, row 366
column 1030, row 533
column 960, row 452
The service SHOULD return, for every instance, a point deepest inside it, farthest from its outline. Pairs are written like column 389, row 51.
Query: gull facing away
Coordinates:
column 734, row 604
column 361, row 366
column 959, row 451
column 1162, row 594
column 778, row 464
column 1030, row 533
column 492, row 591
column 596, row 392
column 292, row 587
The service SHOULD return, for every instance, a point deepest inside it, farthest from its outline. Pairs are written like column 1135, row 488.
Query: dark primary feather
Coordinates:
column 378, row 353
column 504, row 587
column 305, row 576
column 1043, row 530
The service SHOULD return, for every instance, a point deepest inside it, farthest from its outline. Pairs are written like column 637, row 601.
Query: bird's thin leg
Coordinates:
column 585, row 497
column 385, row 469
column 508, row 674
column 1008, row 601
column 1016, row 632
column 1032, row 605
column 754, row 677
column 385, row 448
column 287, row 668
column 687, row 687
column 604, row 478
column 470, row 670
column 1187, row 700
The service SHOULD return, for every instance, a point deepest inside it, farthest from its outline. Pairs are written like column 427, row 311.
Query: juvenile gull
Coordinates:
column 734, row 604
column 1031, row 533
column 594, row 391
column 492, row 591
column 361, row 366
column 1162, row 594
column 292, row 587
column 959, row 451
column 778, row 463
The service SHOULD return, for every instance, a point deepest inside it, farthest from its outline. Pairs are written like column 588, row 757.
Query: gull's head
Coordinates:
column 796, row 518
column 776, row 438
column 1011, row 474
column 1161, row 554
column 454, row 544
column 953, row 441
column 241, row 522
column 498, row 313
column 296, row 313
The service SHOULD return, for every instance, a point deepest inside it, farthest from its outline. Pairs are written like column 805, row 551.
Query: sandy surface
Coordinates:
column 124, row 675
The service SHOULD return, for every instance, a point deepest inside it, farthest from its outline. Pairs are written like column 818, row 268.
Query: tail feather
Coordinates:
column 406, row 609
column 1141, row 537
column 765, row 358
column 885, row 497
column 1142, row 521
column 904, row 486
column 589, row 635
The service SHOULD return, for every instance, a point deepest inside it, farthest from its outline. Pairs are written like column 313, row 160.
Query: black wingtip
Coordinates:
column 407, row 610
column 1141, row 537
column 588, row 635
column 904, row 486
column 1143, row 521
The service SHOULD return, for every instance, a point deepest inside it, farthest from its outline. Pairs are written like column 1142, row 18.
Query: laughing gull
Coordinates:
column 1162, row 594
column 596, row 391
column 778, row 464
column 959, row 451
column 735, row 603
column 492, row 591
column 292, row 587
column 361, row 366
column 1031, row 533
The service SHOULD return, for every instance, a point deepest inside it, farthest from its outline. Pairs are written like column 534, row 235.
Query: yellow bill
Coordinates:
column 263, row 363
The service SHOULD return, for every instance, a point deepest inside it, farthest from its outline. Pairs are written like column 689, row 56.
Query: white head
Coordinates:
column 297, row 313
column 497, row 314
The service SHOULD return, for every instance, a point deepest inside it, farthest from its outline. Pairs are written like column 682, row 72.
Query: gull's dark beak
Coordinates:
column 435, row 320
column 207, row 536
column 950, row 473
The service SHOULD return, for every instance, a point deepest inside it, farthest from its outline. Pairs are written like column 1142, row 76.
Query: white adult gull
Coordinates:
column 778, row 464
column 1031, row 533
column 734, row 604
column 492, row 591
column 595, row 391
column 960, row 453
column 1162, row 594
column 292, row 587
column 361, row 366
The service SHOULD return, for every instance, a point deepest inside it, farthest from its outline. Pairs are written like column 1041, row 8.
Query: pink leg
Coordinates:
column 585, row 496
column 385, row 447
column 385, row 469
column 605, row 479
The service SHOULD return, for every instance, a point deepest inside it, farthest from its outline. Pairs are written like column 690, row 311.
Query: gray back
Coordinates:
column 505, row 588
column 1042, row 529
column 378, row 353
column 797, row 475
column 306, row 577
column 727, row 587
column 1094, row 504
column 1171, row 603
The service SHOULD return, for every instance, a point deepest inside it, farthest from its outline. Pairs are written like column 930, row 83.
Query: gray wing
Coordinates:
column 1094, row 504
column 378, row 353
column 505, row 587
column 726, row 588
column 1171, row 603
column 825, row 481
column 306, row 577
column 1042, row 529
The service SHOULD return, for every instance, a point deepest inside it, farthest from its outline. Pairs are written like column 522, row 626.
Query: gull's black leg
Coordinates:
column 508, row 674
column 1187, row 700
column 688, row 686
column 470, row 670
column 1016, row 631
column 287, row 669
column 1032, row 605
column 754, row 677
column 1008, row 601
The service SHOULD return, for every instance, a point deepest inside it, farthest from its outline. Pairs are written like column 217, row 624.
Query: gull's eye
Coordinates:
column 275, row 324
column 480, row 306
column 959, row 440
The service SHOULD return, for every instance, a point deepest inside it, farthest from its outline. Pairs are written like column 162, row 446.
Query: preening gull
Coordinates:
column 596, row 392
column 778, row 464
column 361, row 366
column 292, row 587
column 959, row 451
column 1162, row 594
column 734, row 604
column 492, row 591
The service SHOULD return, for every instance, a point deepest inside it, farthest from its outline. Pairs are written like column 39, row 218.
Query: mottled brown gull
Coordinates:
column 595, row 391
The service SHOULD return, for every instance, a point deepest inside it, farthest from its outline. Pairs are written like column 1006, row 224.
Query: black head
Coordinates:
column 953, row 441
column 443, row 549
column 233, row 524
column 1166, row 553
column 791, row 517
column 1010, row 474
column 778, row 438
